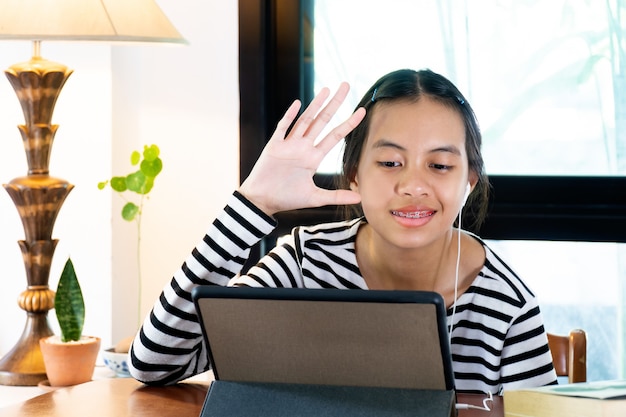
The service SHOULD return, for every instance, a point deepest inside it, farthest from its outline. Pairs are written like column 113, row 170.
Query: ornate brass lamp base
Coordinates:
column 23, row 365
column 38, row 198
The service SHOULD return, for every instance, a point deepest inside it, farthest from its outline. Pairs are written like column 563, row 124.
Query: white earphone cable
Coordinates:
column 487, row 401
column 456, row 276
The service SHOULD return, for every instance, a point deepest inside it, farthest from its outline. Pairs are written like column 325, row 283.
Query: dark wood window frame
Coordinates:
column 275, row 67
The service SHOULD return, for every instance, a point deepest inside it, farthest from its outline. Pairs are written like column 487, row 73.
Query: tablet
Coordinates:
column 371, row 338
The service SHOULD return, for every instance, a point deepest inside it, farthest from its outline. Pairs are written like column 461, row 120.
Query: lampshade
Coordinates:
column 88, row 20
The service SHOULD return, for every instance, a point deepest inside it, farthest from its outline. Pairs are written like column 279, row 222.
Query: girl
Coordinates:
column 412, row 158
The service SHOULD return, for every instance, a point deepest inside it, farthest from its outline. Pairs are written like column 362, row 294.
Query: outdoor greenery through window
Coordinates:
column 547, row 80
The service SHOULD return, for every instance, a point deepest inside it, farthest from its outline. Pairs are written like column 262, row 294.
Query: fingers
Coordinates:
column 335, row 197
column 340, row 132
column 325, row 116
column 286, row 120
column 308, row 116
column 313, row 121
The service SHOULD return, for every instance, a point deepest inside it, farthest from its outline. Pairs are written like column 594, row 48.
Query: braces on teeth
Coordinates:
column 414, row 215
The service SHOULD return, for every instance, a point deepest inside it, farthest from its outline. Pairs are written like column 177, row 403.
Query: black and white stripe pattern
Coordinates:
column 498, row 339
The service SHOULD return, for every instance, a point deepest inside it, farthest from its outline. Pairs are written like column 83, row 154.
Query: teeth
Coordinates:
column 413, row 215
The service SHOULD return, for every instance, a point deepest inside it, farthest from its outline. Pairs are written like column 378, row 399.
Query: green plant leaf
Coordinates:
column 118, row 184
column 150, row 153
column 102, row 184
column 69, row 304
column 151, row 168
column 147, row 187
column 129, row 211
column 135, row 157
column 136, row 182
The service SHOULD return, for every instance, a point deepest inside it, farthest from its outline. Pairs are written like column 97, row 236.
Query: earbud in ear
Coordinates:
column 468, row 190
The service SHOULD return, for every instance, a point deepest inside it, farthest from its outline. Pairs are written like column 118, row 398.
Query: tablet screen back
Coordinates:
column 392, row 339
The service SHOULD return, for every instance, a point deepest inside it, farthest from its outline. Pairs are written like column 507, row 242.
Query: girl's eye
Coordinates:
column 389, row 164
column 441, row 167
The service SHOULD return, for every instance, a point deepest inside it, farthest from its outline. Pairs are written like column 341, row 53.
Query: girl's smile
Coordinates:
column 411, row 217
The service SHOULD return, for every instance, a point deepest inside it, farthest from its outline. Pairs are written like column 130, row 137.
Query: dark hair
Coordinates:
column 409, row 85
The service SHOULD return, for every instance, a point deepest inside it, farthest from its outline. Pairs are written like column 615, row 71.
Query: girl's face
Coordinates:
column 413, row 171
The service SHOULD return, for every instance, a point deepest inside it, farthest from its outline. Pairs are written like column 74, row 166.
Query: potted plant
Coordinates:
column 69, row 358
column 138, row 183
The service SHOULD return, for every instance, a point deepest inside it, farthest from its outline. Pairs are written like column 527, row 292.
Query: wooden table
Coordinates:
column 121, row 397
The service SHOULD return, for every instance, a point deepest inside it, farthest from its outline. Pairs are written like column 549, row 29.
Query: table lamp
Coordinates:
column 39, row 196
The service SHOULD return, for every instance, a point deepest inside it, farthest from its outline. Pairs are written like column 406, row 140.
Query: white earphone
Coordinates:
column 468, row 190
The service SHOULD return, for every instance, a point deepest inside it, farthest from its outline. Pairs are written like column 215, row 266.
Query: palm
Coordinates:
column 282, row 178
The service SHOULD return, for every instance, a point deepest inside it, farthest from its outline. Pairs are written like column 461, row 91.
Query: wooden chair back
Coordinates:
column 569, row 355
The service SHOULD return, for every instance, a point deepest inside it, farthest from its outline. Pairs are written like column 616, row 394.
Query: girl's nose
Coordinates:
column 411, row 183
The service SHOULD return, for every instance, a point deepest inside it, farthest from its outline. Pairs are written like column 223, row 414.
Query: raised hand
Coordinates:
column 282, row 178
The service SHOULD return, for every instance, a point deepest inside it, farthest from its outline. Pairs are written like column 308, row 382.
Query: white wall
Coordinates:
column 185, row 99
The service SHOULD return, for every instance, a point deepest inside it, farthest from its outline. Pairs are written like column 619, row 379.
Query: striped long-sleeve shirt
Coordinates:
column 498, row 339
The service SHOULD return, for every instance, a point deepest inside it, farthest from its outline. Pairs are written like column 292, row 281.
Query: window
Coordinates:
column 541, row 76
column 545, row 80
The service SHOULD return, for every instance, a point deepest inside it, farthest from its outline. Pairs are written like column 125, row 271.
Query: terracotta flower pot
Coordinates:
column 69, row 363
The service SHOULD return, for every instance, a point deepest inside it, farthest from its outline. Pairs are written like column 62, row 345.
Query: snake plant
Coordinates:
column 69, row 304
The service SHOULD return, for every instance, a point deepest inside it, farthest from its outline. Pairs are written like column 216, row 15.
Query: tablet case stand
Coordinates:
column 239, row 399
